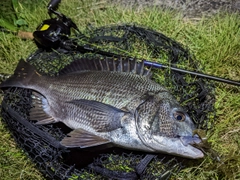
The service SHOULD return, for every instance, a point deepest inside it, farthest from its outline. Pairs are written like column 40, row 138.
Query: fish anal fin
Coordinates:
column 83, row 139
column 38, row 112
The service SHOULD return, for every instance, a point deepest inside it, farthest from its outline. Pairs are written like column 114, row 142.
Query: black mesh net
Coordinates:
column 41, row 142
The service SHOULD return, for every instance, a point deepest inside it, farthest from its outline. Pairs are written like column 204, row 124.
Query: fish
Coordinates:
column 109, row 102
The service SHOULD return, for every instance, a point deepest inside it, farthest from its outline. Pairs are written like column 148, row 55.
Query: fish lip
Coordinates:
column 193, row 142
column 198, row 153
column 190, row 140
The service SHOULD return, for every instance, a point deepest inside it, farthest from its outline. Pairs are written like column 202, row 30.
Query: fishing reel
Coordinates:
column 54, row 32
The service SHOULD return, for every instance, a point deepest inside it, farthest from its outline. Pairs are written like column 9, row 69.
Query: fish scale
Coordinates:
column 116, row 94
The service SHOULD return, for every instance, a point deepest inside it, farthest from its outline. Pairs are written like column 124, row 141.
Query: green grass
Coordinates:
column 214, row 41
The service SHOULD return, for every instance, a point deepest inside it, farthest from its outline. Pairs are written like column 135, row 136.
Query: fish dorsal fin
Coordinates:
column 108, row 64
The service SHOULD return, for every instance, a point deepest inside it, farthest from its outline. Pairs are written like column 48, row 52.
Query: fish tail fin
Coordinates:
column 22, row 76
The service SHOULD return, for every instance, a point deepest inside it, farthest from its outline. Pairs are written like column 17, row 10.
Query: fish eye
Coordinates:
column 179, row 116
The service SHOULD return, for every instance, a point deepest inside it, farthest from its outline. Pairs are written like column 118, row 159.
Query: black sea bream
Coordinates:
column 109, row 101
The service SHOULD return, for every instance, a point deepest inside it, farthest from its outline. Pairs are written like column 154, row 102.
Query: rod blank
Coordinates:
column 157, row 65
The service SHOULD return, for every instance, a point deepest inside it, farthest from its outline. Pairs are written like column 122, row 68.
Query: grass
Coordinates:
column 214, row 41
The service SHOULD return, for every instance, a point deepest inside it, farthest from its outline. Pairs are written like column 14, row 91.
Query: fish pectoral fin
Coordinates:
column 83, row 139
column 105, row 117
column 37, row 113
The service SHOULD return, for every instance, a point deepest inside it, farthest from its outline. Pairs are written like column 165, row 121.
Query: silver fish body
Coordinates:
column 109, row 101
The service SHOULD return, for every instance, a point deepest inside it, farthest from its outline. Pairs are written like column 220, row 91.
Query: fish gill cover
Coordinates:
column 42, row 142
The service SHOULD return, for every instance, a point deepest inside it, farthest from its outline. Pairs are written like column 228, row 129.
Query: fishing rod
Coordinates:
column 85, row 49
column 55, row 32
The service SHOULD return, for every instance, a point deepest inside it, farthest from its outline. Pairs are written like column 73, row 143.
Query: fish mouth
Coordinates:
column 194, row 144
column 190, row 140
column 180, row 146
column 198, row 140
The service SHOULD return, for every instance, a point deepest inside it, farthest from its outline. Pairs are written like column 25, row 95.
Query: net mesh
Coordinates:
column 41, row 142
